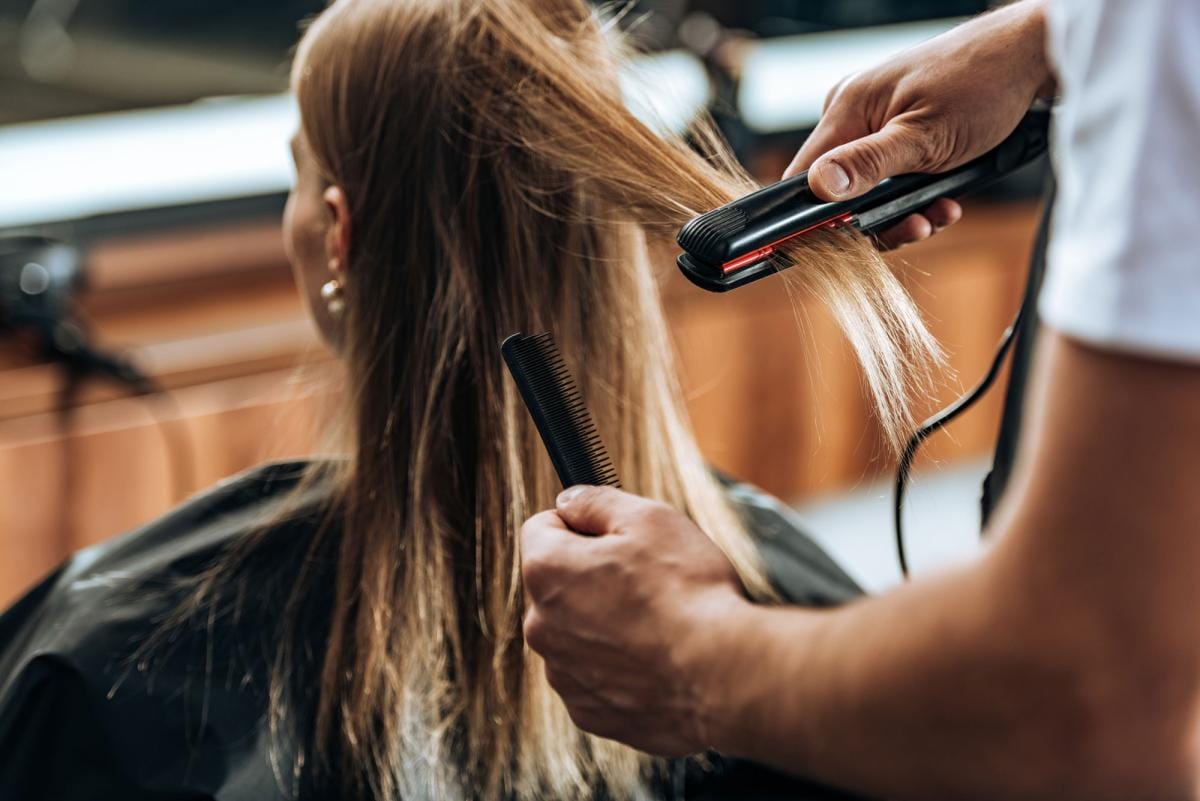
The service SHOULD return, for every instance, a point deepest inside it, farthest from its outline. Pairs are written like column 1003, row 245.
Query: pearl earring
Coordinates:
column 332, row 291
column 334, row 297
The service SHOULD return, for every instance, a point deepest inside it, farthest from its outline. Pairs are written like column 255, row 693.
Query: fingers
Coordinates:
column 916, row 227
column 598, row 510
column 537, row 631
column 913, row 228
column 851, row 169
column 829, row 133
column 552, row 553
column 833, row 129
column 943, row 213
column 549, row 552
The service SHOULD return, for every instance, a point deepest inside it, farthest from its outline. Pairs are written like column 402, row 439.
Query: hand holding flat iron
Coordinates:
column 929, row 109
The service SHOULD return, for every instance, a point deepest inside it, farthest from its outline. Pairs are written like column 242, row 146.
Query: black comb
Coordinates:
column 558, row 411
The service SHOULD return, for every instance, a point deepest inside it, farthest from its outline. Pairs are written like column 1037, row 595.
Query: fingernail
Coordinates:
column 568, row 495
column 835, row 177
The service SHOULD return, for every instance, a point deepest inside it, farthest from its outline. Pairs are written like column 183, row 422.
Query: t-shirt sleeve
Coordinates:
column 1124, row 259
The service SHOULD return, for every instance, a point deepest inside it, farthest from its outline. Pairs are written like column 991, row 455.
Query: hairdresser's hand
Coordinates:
column 628, row 621
column 929, row 109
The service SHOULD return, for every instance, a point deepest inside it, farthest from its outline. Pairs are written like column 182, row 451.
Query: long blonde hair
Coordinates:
column 497, row 184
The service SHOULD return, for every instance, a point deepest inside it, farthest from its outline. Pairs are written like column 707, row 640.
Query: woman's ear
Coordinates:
column 337, row 235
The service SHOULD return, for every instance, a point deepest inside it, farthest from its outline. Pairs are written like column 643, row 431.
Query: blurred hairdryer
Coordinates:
column 38, row 281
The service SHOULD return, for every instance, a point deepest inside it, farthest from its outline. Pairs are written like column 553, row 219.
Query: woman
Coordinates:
column 352, row 628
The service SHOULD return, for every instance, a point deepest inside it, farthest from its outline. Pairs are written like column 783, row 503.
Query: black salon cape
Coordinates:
column 85, row 714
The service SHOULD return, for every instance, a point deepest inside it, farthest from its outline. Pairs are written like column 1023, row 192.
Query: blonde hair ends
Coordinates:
column 497, row 183
column 845, row 271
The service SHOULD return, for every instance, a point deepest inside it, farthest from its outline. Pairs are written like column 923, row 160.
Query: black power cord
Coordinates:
column 937, row 422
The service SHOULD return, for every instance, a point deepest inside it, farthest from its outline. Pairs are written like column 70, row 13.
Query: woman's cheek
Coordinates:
column 289, row 229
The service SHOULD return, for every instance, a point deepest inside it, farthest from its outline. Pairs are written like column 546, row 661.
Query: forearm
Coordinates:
column 926, row 693
column 1065, row 663
column 1017, row 33
column 1034, row 50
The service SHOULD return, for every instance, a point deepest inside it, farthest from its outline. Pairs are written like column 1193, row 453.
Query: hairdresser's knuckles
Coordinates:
column 546, row 554
column 538, row 635
column 613, row 615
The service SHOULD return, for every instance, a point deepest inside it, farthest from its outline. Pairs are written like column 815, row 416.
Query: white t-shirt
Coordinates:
column 1124, row 258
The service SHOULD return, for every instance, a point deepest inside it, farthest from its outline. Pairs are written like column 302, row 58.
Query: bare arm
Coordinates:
column 1064, row 664
column 929, row 109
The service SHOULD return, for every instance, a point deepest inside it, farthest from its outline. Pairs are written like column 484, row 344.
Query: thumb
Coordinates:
column 595, row 510
column 855, row 167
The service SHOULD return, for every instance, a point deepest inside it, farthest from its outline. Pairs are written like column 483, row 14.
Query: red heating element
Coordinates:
column 755, row 256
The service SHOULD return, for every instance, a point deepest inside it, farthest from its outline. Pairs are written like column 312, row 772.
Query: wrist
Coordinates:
column 718, row 647
column 747, row 673
column 1014, row 38
column 1035, row 33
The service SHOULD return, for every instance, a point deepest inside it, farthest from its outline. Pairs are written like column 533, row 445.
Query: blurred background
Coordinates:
column 150, row 333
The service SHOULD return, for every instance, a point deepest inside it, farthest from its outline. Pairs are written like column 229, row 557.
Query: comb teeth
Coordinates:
column 704, row 236
column 558, row 411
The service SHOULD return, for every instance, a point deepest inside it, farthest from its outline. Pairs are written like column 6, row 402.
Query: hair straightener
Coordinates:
column 558, row 411
column 736, row 244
